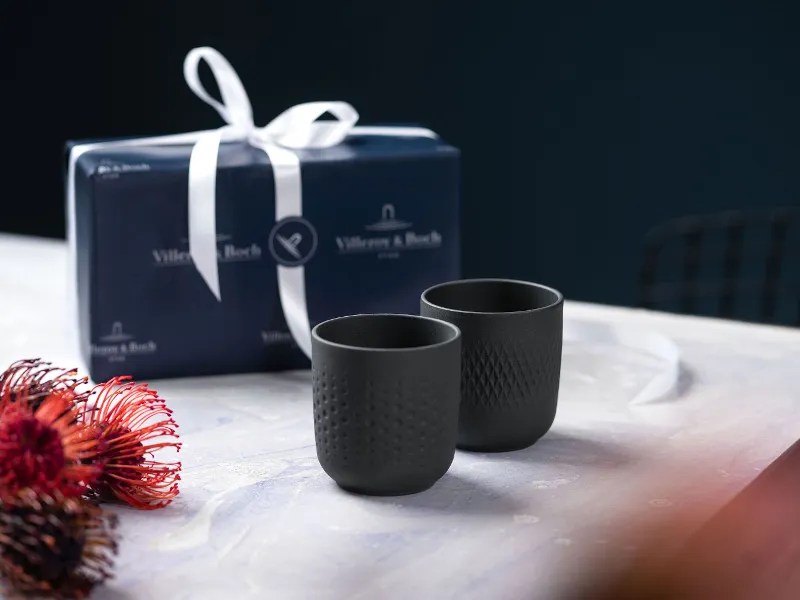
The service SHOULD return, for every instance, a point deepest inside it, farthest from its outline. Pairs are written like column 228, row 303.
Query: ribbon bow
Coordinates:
column 295, row 128
column 298, row 127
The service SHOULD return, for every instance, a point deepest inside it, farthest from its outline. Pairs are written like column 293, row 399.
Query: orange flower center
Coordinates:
column 30, row 451
column 120, row 453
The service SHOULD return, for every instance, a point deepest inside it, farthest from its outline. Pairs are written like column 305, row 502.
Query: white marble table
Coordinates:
column 257, row 517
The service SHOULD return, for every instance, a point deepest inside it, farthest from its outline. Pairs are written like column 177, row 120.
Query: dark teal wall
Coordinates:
column 582, row 123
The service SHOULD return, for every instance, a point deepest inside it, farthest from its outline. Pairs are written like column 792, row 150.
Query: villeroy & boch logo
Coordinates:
column 227, row 252
column 400, row 237
column 117, row 345
column 293, row 241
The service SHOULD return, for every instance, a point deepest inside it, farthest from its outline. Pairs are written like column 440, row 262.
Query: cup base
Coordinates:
column 365, row 491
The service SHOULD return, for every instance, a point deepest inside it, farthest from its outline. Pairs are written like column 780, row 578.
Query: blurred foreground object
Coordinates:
column 54, row 546
column 749, row 550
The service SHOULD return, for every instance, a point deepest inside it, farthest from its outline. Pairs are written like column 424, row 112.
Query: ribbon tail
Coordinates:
column 203, row 210
column 664, row 385
column 291, row 280
column 394, row 131
column 292, row 291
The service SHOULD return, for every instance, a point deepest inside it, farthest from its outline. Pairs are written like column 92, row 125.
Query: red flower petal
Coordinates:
column 130, row 422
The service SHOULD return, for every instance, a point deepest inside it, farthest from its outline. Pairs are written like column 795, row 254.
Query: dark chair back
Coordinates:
column 738, row 265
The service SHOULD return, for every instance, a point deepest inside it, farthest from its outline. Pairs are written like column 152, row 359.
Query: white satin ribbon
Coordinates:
column 664, row 385
column 294, row 129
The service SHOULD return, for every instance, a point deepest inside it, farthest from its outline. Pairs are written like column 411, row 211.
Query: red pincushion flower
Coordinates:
column 52, row 545
column 42, row 445
column 129, row 422
column 37, row 379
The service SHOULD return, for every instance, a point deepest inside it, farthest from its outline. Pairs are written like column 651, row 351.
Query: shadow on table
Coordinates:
column 111, row 593
column 686, row 380
column 562, row 448
column 455, row 494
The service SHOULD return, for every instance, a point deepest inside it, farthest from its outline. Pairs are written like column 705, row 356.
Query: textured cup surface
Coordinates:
column 386, row 400
column 512, row 334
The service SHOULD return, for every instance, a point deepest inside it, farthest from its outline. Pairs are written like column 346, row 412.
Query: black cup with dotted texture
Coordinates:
column 512, row 334
column 386, row 399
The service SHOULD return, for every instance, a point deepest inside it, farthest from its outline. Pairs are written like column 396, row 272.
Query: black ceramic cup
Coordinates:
column 511, row 358
column 386, row 399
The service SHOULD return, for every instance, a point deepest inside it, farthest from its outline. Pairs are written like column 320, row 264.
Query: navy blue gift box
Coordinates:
column 386, row 216
column 379, row 224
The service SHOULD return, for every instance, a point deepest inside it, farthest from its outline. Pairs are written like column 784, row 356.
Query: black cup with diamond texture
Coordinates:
column 512, row 333
column 386, row 399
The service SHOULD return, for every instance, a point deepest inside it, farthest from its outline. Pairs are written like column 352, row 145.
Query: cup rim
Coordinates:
column 453, row 328
column 559, row 296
